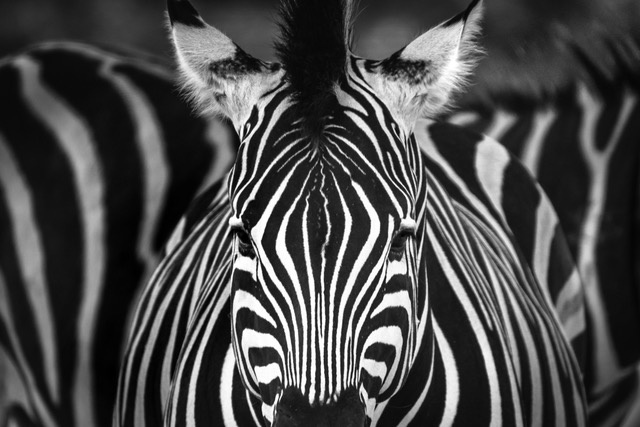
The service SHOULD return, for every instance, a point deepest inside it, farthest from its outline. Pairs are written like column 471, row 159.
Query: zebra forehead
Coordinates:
column 319, row 206
column 313, row 50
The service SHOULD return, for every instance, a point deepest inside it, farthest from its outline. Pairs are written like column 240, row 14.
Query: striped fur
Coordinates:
column 180, row 356
column 353, row 273
column 98, row 160
column 581, row 143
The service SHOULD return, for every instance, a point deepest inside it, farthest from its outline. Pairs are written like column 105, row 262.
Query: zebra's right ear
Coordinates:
column 219, row 76
column 418, row 80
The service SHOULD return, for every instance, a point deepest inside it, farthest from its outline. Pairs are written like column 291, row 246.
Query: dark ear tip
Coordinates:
column 463, row 15
column 470, row 8
column 182, row 12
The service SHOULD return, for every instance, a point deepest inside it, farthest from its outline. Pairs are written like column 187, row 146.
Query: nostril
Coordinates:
column 294, row 410
column 349, row 410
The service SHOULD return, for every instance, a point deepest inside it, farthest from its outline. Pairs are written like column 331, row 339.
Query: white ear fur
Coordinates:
column 216, row 74
column 419, row 80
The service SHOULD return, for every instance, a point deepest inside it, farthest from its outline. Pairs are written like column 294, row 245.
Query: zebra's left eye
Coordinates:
column 399, row 244
column 245, row 247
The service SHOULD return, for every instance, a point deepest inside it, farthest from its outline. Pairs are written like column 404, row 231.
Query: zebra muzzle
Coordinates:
column 294, row 410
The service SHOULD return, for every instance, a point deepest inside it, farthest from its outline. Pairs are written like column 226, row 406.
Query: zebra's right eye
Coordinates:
column 399, row 244
column 245, row 247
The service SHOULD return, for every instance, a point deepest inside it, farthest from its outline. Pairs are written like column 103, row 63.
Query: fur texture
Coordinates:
column 217, row 75
column 419, row 80
column 313, row 50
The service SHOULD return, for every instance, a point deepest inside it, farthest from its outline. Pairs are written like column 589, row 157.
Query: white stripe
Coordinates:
column 244, row 300
column 502, row 122
column 546, row 223
column 395, row 300
column 532, row 149
column 423, row 394
column 570, row 306
column 463, row 118
column 268, row 373
column 598, row 163
column 226, row 388
column 389, row 335
column 155, row 176
column 479, row 333
column 13, row 384
column 491, row 161
column 76, row 140
column 452, row 379
column 150, row 142
column 220, row 138
column 212, row 311
column 29, row 252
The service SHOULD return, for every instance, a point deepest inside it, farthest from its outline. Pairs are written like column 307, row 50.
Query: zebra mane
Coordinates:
column 313, row 50
column 600, row 49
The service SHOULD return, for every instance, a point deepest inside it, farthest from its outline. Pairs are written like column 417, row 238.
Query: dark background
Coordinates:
column 515, row 31
column 382, row 26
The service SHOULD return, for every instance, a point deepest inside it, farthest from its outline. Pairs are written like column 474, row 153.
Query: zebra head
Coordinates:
column 328, row 198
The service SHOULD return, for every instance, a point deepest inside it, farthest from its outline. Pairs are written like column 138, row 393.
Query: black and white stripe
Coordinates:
column 349, row 272
column 581, row 143
column 98, row 160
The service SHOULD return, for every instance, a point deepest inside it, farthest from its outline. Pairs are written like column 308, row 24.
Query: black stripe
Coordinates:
column 186, row 147
column 563, row 173
column 518, row 134
column 520, row 200
column 182, row 12
column 615, row 256
column 77, row 79
column 50, row 179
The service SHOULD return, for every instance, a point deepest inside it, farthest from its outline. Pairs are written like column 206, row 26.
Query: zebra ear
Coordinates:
column 219, row 76
column 418, row 80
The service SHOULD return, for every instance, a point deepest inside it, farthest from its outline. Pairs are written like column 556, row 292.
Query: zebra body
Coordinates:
column 182, row 329
column 581, row 144
column 370, row 276
column 98, row 160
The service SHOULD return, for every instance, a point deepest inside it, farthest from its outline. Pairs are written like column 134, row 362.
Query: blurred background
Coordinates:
column 515, row 30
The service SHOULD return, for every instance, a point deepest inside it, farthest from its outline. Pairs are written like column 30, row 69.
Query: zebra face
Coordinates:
column 327, row 195
column 324, row 263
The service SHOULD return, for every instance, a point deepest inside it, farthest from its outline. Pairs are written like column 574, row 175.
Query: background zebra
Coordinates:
column 98, row 160
column 369, row 276
column 522, row 108
column 581, row 141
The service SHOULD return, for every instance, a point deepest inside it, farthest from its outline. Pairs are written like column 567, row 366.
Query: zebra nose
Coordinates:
column 294, row 410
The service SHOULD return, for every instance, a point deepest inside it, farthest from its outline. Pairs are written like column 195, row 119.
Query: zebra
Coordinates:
column 348, row 271
column 580, row 141
column 99, row 158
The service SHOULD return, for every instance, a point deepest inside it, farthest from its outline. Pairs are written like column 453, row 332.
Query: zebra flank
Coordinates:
column 349, row 271
column 98, row 160
column 581, row 144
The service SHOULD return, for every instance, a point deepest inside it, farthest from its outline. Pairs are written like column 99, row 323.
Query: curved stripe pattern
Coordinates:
column 582, row 144
column 98, row 159
column 359, row 273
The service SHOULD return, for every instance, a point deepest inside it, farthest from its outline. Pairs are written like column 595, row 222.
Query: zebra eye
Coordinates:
column 399, row 244
column 245, row 247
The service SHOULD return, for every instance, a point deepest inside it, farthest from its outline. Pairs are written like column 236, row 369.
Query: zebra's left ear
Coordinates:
column 219, row 76
column 418, row 80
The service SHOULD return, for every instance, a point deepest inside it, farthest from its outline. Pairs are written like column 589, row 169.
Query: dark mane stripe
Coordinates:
column 313, row 50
